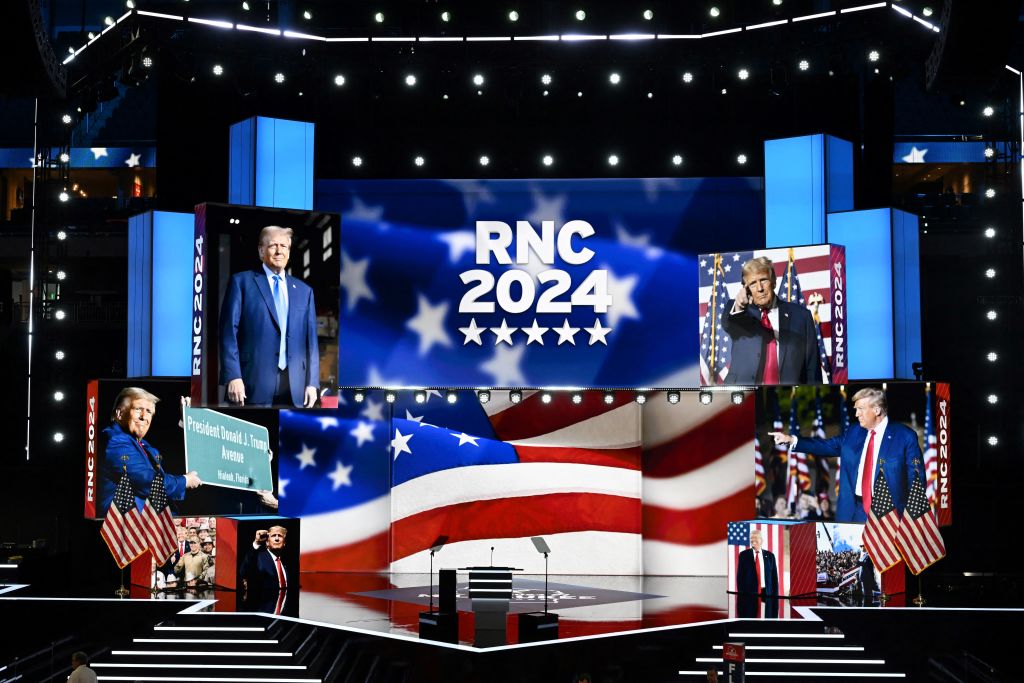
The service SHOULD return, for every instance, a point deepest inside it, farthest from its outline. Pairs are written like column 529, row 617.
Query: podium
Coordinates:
column 490, row 591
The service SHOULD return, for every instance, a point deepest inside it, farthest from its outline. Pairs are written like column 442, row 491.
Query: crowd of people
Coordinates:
column 192, row 565
column 836, row 565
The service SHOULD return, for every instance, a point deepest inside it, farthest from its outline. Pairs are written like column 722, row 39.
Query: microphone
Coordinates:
column 492, row 555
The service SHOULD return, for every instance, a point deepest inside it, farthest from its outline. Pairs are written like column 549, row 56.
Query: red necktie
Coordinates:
column 282, row 582
column 869, row 472
column 771, row 350
column 757, row 568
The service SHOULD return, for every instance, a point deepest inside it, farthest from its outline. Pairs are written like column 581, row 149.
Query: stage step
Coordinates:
column 782, row 650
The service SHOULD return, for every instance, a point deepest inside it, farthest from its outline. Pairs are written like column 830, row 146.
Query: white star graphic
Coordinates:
column 727, row 267
column 735, row 257
column 98, row 152
column 504, row 366
column 651, row 186
column 503, row 333
column 412, row 418
column 363, row 433
column 376, row 379
column 472, row 333
column 703, row 262
column 916, row 155
column 362, row 211
column 640, row 240
column 546, row 209
column 281, row 483
column 428, row 323
column 465, row 438
column 598, row 333
column 429, row 393
column 566, row 333
column 353, row 281
column 373, row 411
column 621, row 291
column 340, row 475
column 400, row 443
column 473, row 193
column 133, row 160
column 459, row 243
column 535, row 333
column 306, row 457
column 326, row 422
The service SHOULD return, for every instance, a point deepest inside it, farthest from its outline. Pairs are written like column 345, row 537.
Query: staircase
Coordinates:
column 782, row 650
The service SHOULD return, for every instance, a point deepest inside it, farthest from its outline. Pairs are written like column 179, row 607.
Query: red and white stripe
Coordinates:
column 931, row 470
column 161, row 537
column 880, row 539
column 760, row 483
column 920, row 542
column 773, row 539
column 124, row 535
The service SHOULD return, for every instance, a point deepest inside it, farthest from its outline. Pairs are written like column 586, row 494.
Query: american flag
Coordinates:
column 715, row 342
column 773, row 539
column 823, row 470
column 813, row 282
column 931, row 454
column 798, row 478
column 882, row 527
column 759, row 481
column 918, row 538
column 789, row 290
column 161, row 537
column 123, row 529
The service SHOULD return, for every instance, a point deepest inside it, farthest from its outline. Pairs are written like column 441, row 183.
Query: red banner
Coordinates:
column 943, row 443
column 91, row 466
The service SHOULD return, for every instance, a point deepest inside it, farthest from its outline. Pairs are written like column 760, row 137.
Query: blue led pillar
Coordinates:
column 805, row 178
column 271, row 163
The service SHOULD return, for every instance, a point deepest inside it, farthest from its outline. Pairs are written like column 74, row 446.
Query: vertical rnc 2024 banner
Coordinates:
column 529, row 282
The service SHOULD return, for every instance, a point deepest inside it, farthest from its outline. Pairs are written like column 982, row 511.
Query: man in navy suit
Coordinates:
column 874, row 444
column 756, row 572
column 268, row 347
column 267, row 580
column 773, row 341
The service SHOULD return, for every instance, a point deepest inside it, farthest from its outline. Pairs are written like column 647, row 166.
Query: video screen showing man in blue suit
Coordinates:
column 876, row 443
column 268, row 332
column 773, row 341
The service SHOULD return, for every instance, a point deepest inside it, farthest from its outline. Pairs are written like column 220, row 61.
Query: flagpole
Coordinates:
column 919, row 600
column 122, row 592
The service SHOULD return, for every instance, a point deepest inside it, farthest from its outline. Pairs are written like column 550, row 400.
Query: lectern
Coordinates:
column 490, row 590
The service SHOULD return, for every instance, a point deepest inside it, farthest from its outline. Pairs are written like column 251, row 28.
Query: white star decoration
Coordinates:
column 621, row 291
column 472, row 333
column 305, row 457
column 546, row 209
column 133, row 160
column 353, row 281
column 340, row 475
column 465, row 438
column 916, row 155
column 473, row 193
column 504, row 366
column 326, row 422
column 412, row 418
column 363, row 433
column 535, row 333
column 566, row 333
column 400, row 444
column 373, row 411
column 362, row 211
column 503, row 333
column 459, row 243
column 281, row 483
column 428, row 323
column 98, row 152
column 598, row 333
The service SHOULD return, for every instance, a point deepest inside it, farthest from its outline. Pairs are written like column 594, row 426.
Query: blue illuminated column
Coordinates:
column 805, row 178
column 271, row 163
column 883, row 290
column 159, row 300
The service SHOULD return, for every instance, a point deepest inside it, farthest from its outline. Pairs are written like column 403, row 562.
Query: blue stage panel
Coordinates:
column 241, row 163
column 140, row 278
column 906, row 270
column 271, row 163
column 172, row 301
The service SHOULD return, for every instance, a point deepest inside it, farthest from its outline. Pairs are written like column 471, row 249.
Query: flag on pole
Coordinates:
column 124, row 529
column 799, row 478
column 882, row 527
column 759, row 481
column 159, row 525
column 918, row 537
column 715, row 343
column 824, row 472
column 931, row 454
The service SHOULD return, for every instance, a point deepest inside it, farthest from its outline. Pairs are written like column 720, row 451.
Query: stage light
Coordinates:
column 109, row 21
column 65, row 157
column 452, row 396
column 992, row 356
column 446, row 17
column 58, row 396
column 988, row 111
column 990, row 192
column 92, row 36
column 990, row 152
column 515, row 396
column 743, row 74
column 687, row 77
column 483, row 396
column 545, row 397
column 579, row 93
column 737, row 398
column 390, row 397
column 990, row 273
column 609, row 397
column 725, row 91
column 614, row 78
column 804, row 65
column 777, row 3
column 478, row 79
column 993, row 399
column 640, row 398
column 66, row 118
column 410, row 80
column 61, row 275
column 58, row 354
column 58, row 437
column 677, row 160
column 64, row 196
column 613, row 160
column 420, row 396
column 218, row 70
column 59, row 314
column 741, row 159
column 548, row 160
column 71, row 50
column 513, row 16
column 419, row 161
column 279, row 77
column 379, row 17
column 484, row 160
column 874, row 56
column 62, row 235
column 927, row 11
column 546, row 79
column 673, row 397
column 307, row 15
column 705, row 398
column 147, row 62
column 130, row 4
column 993, row 440
column 245, row 6
column 357, row 161
column 991, row 315
column 359, row 396
column 714, row 12
column 648, row 14
column 990, row 232
column 577, row 398
column 650, row 95
column 339, row 80
column 580, row 15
